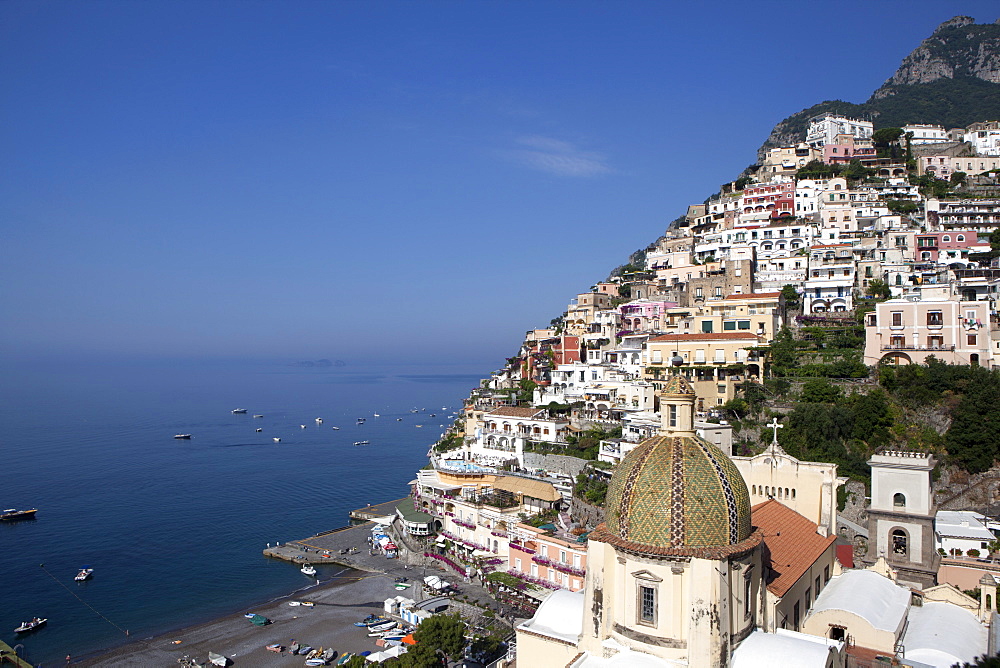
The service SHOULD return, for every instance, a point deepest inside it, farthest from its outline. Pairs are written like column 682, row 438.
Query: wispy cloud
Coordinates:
column 557, row 157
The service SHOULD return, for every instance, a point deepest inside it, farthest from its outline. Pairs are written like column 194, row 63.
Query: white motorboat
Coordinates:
column 309, row 570
column 86, row 572
column 186, row 437
column 319, row 420
column 35, row 623
column 259, row 430
column 276, row 439
column 377, row 415
column 258, row 415
column 336, row 428
column 239, row 411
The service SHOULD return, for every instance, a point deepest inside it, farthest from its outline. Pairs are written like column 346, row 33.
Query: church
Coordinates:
column 683, row 572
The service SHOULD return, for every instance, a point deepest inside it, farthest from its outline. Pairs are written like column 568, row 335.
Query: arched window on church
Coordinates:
column 899, row 542
column 898, row 500
column 793, row 492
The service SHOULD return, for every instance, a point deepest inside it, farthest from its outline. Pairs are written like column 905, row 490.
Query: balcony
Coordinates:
column 918, row 348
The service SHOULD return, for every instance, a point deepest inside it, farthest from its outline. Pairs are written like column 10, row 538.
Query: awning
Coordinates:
column 440, row 540
column 481, row 553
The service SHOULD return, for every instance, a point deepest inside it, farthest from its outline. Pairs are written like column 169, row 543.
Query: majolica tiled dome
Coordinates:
column 674, row 493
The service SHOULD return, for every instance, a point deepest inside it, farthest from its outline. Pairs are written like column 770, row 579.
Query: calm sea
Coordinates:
column 174, row 529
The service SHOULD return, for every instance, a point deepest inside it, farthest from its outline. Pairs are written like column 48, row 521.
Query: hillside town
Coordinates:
column 610, row 486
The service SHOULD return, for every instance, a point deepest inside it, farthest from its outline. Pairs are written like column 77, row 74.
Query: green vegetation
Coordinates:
column 590, row 488
column 449, row 442
column 949, row 102
column 969, row 395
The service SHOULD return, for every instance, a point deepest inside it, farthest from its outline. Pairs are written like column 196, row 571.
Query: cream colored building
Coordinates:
column 713, row 362
column 808, row 488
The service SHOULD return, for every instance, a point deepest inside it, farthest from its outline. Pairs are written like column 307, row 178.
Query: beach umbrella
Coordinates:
column 409, row 640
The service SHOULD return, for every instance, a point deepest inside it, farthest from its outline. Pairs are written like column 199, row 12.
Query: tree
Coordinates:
column 885, row 136
column 820, row 391
column 957, row 178
column 878, row 289
column 441, row 635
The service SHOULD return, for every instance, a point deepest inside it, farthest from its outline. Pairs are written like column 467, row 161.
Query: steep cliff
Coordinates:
column 958, row 48
column 951, row 79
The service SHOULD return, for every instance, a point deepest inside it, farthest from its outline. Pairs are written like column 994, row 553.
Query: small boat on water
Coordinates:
column 361, row 420
column 336, row 428
column 302, row 426
column 257, row 415
column 399, row 419
column 239, row 411
column 86, row 572
column 361, row 442
column 276, row 439
column 13, row 515
column 309, row 570
column 35, row 623
column 377, row 415
column 259, row 430
column 186, row 437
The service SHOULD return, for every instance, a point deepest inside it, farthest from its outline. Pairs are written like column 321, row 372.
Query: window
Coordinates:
column 946, row 238
column 898, row 539
column 744, row 324
column 935, row 319
column 795, row 617
column 517, row 564
column 809, row 599
column 826, row 574
column 960, row 237
column 647, row 605
column 897, row 319
column 729, row 325
column 706, row 326
column 817, row 586
column 562, row 556
column 747, row 593
column 673, row 416
column 971, row 339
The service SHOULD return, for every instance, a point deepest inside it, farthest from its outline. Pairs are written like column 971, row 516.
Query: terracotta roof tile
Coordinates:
column 516, row 411
column 791, row 540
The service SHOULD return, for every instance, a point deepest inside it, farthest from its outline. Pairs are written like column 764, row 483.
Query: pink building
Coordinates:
column 845, row 149
column 903, row 331
column 946, row 246
column 539, row 558
column 777, row 198
column 644, row 315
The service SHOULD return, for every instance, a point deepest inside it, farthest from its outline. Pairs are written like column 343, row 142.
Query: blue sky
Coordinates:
column 358, row 180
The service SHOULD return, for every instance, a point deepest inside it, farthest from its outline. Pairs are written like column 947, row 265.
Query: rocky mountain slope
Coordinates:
column 951, row 79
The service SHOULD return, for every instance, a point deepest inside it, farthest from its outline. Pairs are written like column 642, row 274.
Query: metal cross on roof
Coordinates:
column 775, row 426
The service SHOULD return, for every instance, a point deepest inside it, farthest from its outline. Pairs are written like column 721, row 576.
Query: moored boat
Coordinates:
column 239, row 411
column 35, row 623
column 258, row 415
column 308, row 569
column 13, row 515
column 276, row 439
column 86, row 572
column 186, row 437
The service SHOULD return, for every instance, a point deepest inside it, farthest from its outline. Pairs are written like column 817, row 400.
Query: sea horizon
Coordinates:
column 175, row 528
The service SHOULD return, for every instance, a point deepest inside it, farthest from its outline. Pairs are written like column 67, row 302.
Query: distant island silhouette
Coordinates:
column 319, row 363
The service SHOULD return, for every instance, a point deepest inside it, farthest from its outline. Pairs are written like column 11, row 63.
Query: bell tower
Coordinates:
column 901, row 516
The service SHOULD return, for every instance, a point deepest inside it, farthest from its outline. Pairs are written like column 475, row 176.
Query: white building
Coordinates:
column 986, row 142
column 926, row 134
column 962, row 530
column 824, row 129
